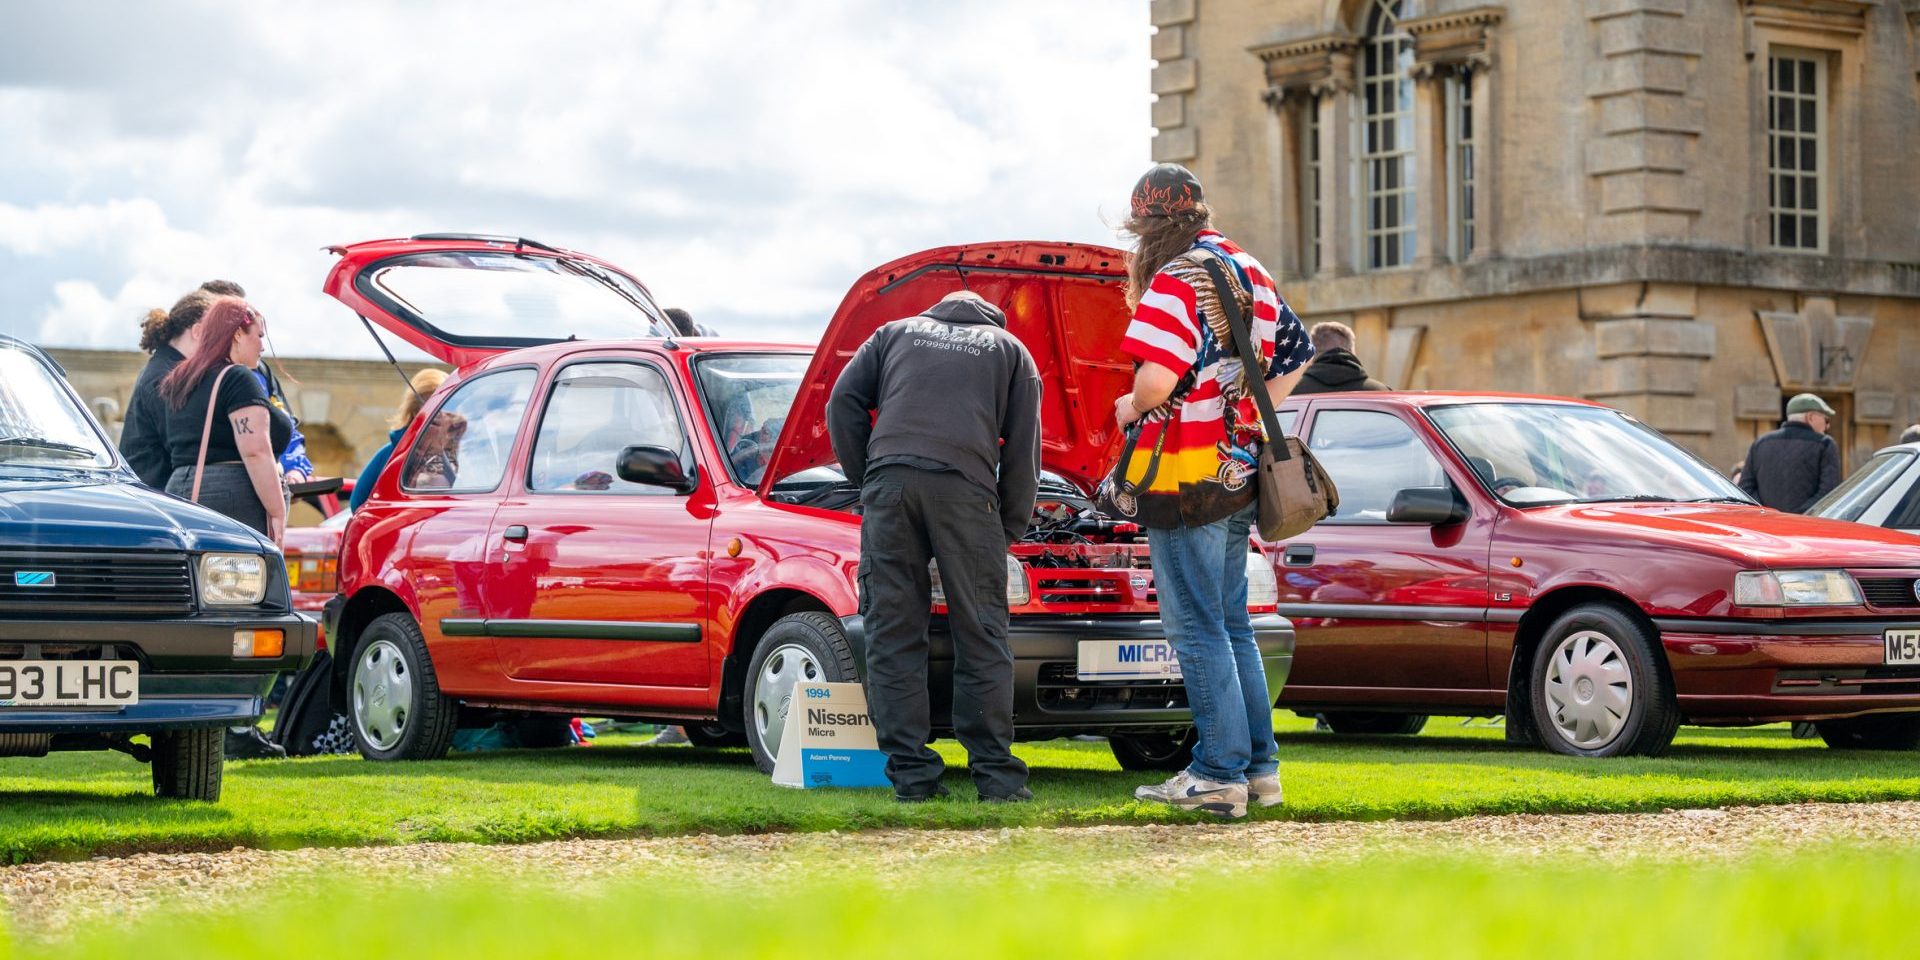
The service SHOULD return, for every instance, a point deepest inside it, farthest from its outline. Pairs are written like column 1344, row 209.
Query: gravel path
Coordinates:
column 47, row 898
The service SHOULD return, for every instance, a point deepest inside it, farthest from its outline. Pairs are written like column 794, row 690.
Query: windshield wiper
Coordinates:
column 1739, row 500
column 42, row 443
column 1636, row 498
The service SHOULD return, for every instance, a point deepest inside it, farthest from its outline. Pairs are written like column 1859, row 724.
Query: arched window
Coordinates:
column 1386, row 138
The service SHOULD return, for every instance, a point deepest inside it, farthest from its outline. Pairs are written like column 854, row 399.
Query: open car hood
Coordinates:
column 1065, row 301
column 464, row 297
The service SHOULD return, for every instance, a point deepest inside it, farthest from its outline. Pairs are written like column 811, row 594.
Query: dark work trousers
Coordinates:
column 912, row 516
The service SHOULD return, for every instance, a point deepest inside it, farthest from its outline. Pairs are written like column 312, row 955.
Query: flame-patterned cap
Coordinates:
column 1167, row 189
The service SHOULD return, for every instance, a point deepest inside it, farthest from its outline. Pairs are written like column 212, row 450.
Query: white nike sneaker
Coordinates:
column 1264, row 791
column 1184, row 790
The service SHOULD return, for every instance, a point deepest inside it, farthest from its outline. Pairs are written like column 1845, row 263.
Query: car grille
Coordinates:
column 95, row 582
column 1888, row 591
column 68, row 651
column 1061, row 689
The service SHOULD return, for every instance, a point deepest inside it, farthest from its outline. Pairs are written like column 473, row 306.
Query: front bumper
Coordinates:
column 188, row 674
column 1049, row 701
column 1766, row 671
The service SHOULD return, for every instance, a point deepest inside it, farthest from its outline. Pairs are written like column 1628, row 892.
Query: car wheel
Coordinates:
column 543, row 731
column 714, row 735
column 188, row 764
column 1153, row 751
column 393, row 696
column 800, row 647
column 1900, row 731
column 1360, row 722
column 1599, row 688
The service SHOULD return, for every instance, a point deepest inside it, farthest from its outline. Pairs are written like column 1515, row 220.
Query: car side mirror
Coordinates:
column 1435, row 506
column 656, row 467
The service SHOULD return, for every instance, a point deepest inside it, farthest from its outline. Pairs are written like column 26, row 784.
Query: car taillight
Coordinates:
column 319, row 573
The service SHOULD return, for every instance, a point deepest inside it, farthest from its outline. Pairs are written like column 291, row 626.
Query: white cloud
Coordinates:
column 747, row 161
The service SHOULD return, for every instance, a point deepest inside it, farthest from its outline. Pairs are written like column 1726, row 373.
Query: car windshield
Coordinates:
column 748, row 396
column 1536, row 453
column 481, row 295
column 40, row 423
column 1851, row 499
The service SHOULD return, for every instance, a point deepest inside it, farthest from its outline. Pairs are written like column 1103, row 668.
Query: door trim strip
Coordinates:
column 641, row 631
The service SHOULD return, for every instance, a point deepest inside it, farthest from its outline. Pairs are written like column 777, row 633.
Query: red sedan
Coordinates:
column 1562, row 564
column 583, row 522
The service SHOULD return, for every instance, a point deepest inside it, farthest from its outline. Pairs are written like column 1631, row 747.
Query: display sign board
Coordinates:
column 828, row 740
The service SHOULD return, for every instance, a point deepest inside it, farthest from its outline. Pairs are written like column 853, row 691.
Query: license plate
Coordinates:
column 1903, row 647
column 1128, row 660
column 69, row 683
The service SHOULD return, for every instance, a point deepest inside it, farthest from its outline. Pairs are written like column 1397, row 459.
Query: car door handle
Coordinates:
column 1298, row 555
column 516, row 533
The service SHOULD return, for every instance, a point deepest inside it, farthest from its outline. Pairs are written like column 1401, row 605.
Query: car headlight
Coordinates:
column 1017, row 591
column 1263, row 588
column 1795, row 588
column 232, row 579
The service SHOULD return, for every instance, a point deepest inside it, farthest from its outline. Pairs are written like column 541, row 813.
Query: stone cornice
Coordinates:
column 1828, row 16
column 1324, row 43
column 1505, row 277
column 1319, row 64
column 1446, row 42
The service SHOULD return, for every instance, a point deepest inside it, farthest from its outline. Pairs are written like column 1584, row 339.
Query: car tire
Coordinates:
column 1153, row 751
column 543, row 731
column 1350, row 722
column 800, row 646
column 189, row 764
column 393, row 695
column 714, row 735
column 1599, row 687
column 1900, row 731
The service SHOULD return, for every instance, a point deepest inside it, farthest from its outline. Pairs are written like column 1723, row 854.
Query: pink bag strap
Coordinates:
column 206, row 431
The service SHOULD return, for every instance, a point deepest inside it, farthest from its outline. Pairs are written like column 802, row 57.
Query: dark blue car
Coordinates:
column 124, row 612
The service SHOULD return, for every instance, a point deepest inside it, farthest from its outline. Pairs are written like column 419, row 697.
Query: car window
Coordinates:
column 748, row 397
column 1537, row 453
column 1850, row 500
column 1371, row 456
column 596, row 411
column 40, row 423
column 465, row 447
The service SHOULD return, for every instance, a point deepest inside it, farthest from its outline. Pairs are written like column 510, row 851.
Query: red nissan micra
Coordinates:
column 585, row 523
column 1563, row 564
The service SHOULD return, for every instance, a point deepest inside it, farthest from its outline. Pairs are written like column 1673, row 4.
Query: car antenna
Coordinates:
column 396, row 364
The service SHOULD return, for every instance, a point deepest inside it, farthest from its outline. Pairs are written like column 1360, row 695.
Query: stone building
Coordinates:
column 343, row 405
column 1686, row 209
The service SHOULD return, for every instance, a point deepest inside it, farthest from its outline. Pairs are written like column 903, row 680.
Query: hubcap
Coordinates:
column 382, row 694
column 1589, row 689
column 787, row 665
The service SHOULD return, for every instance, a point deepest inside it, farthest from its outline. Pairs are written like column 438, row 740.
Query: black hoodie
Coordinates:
column 1336, row 371
column 952, row 386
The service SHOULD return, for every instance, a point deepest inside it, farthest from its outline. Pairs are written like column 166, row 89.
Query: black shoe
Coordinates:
column 1022, row 795
column 939, row 792
column 249, row 743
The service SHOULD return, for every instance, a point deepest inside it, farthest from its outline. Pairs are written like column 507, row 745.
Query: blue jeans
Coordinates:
column 1201, row 576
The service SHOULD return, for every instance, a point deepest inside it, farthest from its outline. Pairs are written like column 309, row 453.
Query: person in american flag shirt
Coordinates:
column 1193, row 401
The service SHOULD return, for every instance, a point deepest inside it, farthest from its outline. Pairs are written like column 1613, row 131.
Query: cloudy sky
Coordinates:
column 746, row 160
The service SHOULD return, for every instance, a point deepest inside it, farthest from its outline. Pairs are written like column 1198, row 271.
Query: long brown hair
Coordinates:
column 224, row 320
column 1157, row 240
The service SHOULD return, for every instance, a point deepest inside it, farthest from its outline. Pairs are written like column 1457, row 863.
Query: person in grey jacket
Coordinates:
column 1797, row 464
column 937, row 419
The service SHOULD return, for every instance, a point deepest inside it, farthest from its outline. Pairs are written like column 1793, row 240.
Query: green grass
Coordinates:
column 77, row 805
column 1854, row 904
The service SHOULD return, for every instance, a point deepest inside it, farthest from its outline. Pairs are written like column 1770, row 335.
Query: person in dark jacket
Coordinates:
column 937, row 419
column 1334, row 368
column 169, row 336
column 1797, row 464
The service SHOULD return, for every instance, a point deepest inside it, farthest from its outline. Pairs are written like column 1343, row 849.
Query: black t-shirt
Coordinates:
column 238, row 390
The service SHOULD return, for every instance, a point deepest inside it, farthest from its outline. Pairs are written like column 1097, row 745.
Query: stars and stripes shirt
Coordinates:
column 1214, row 429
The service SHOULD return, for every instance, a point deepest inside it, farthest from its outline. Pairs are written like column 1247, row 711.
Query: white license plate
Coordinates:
column 1128, row 660
column 1903, row 647
column 69, row 683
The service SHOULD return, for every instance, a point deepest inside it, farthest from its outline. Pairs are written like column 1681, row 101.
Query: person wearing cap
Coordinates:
column 1199, row 413
column 1797, row 464
column 936, row 419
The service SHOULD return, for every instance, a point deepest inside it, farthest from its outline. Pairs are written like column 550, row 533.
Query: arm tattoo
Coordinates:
column 244, row 425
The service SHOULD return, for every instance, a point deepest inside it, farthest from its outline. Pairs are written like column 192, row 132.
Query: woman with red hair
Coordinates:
column 222, row 430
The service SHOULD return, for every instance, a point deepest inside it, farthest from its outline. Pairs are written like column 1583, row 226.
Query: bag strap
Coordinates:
column 1250, row 364
column 1120, row 481
column 206, row 432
